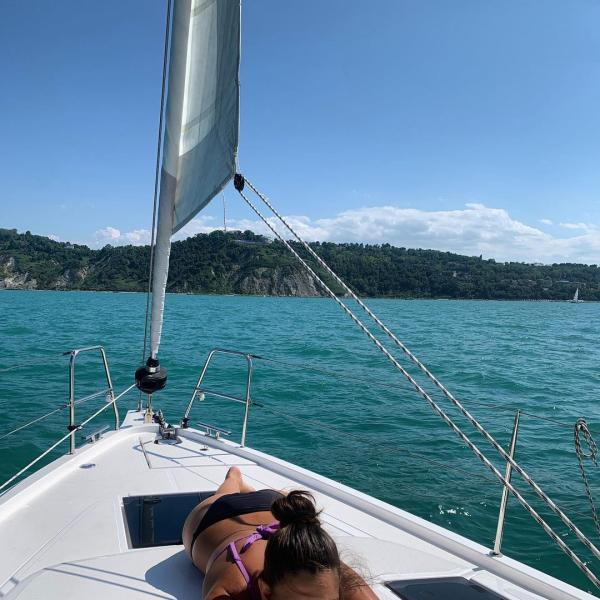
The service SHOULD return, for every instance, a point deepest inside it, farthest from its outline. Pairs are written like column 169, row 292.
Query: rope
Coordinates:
column 581, row 428
column 349, row 377
column 61, row 407
column 33, row 422
column 537, row 489
column 533, row 513
column 348, row 470
column 377, row 321
column 372, row 444
column 157, row 177
column 62, row 439
column 31, row 363
column 340, row 433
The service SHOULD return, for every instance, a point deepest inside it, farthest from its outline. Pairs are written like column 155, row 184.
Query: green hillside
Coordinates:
column 246, row 263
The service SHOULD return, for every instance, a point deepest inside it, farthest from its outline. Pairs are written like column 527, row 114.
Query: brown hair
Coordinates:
column 301, row 544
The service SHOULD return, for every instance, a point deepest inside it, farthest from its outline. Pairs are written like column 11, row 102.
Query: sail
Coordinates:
column 201, row 125
column 576, row 296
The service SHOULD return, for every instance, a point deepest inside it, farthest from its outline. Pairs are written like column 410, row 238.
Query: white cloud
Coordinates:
column 114, row 236
column 54, row 238
column 579, row 226
column 201, row 224
column 109, row 233
column 137, row 237
column 473, row 230
column 546, row 222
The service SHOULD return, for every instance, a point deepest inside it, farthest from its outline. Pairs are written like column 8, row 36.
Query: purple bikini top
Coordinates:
column 263, row 532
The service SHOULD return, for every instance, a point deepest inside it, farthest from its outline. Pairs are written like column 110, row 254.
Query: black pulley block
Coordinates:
column 151, row 377
column 238, row 182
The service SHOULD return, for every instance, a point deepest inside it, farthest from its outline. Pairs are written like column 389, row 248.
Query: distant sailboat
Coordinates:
column 576, row 299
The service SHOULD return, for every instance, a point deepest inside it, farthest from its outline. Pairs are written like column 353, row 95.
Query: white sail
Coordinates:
column 576, row 296
column 201, row 125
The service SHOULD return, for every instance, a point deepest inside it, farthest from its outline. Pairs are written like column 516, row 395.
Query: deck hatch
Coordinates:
column 441, row 588
column 157, row 520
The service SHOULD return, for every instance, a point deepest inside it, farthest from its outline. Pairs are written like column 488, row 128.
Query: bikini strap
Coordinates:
column 263, row 532
column 237, row 559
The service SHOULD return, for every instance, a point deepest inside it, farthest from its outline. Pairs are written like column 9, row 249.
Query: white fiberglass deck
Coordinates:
column 63, row 534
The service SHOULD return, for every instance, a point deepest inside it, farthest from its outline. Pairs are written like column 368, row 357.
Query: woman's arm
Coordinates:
column 353, row 586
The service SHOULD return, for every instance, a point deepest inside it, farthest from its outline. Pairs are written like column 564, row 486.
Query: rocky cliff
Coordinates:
column 12, row 279
column 219, row 264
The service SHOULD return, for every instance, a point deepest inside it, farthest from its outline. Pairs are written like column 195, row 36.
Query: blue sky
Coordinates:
column 463, row 125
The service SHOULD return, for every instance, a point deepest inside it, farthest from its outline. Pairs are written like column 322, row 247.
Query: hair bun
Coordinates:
column 297, row 508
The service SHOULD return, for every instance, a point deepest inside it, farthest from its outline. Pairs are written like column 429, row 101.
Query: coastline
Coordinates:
column 307, row 297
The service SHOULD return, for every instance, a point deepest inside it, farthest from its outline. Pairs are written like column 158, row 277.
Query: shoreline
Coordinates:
column 411, row 298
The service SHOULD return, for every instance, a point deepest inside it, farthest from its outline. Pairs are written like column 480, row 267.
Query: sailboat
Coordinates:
column 575, row 299
column 105, row 519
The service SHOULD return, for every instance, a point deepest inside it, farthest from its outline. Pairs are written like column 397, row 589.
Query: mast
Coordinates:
column 199, row 153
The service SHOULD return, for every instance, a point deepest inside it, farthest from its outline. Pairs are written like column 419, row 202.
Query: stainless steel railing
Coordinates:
column 504, row 499
column 74, row 427
column 200, row 391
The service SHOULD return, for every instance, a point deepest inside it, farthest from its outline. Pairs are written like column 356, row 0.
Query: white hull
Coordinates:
column 64, row 535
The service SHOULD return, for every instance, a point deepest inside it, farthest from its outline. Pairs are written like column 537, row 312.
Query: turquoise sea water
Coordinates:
column 376, row 433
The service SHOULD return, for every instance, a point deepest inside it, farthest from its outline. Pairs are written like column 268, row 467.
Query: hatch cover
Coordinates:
column 441, row 588
column 157, row 520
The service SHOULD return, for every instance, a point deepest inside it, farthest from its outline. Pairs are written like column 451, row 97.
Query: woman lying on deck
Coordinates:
column 263, row 545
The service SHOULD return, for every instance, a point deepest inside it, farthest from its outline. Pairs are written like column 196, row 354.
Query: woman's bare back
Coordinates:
column 209, row 550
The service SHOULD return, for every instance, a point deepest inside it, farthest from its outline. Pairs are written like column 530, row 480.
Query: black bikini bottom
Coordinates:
column 234, row 505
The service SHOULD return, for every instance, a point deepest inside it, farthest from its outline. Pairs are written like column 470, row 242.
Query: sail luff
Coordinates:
column 178, row 66
column 201, row 125
column 162, row 253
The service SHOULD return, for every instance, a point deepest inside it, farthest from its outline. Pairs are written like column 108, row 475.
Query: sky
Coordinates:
column 463, row 125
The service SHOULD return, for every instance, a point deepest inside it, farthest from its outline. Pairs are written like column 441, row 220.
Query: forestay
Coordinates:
column 201, row 125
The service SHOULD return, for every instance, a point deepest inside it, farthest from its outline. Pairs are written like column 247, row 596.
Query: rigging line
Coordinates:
column 534, row 514
column 386, row 445
column 61, row 440
column 372, row 444
column 31, row 363
column 394, row 387
column 157, row 175
column 386, row 330
column 61, row 407
column 343, row 432
column 542, row 418
column 537, row 489
column 33, row 422
column 86, row 398
column 581, row 429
